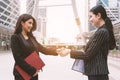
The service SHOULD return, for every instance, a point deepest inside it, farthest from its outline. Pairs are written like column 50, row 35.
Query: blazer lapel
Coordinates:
column 23, row 41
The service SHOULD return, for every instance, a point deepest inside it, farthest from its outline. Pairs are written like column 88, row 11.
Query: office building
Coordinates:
column 9, row 12
column 104, row 3
column 32, row 7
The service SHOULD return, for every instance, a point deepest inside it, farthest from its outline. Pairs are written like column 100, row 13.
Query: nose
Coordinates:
column 90, row 20
column 31, row 25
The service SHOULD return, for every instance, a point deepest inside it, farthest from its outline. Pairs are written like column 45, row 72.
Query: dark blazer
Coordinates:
column 21, row 49
column 95, row 54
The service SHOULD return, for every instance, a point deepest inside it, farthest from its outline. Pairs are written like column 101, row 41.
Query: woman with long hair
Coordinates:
column 98, row 46
column 23, row 43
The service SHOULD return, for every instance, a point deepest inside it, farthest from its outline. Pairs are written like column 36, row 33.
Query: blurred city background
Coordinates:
column 59, row 23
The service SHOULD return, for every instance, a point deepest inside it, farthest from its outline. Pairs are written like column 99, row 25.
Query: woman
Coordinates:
column 23, row 43
column 97, row 48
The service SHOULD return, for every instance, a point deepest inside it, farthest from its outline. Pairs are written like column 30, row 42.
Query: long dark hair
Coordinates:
column 100, row 9
column 24, row 18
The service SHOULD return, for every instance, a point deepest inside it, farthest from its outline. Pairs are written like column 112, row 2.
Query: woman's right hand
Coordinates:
column 36, row 73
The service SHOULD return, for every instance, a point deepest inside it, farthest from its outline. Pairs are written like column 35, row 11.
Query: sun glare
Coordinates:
column 61, row 24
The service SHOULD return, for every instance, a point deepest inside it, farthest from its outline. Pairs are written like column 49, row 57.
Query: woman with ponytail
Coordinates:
column 97, row 48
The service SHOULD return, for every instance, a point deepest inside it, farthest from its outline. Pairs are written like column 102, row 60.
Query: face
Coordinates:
column 28, row 25
column 94, row 19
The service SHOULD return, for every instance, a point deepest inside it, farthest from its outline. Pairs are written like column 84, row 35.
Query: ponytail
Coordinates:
column 109, row 26
column 100, row 9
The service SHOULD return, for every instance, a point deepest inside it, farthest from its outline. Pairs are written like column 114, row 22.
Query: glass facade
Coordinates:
column 9, row 12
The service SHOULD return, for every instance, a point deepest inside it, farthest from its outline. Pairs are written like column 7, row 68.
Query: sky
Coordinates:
column 22, row 6
column 61, row 21
column 61, row 24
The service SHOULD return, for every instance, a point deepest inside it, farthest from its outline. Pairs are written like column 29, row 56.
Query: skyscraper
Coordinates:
column 29, row 6
column 113, row 3
column 9, row 12
column 103, row 3
column 40, row 15
column 119, row 8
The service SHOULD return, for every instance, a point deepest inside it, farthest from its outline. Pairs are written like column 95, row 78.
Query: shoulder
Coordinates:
column 102, row 31
column 14, row 36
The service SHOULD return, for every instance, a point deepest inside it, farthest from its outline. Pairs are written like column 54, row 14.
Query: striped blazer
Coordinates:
column 95, row 54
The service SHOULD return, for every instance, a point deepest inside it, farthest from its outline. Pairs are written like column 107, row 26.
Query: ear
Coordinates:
column 99, row 15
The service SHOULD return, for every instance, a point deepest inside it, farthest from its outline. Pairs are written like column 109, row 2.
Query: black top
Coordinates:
column 31, row 46
column 95, row 54
column 21, row 48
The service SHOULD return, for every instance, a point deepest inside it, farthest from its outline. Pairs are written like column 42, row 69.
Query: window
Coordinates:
column 9, row 8
column 1, row 10
column 1, row 22
column 3, row 5
column 7, row 13
column 3, row 17
column 7, row 1
column 9, row 20
column 6, row 24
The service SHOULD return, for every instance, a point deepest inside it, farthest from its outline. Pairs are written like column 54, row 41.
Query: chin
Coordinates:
column 28, row 31
column 93, row 24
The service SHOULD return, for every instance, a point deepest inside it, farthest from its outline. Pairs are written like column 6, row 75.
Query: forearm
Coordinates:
column 47, row 51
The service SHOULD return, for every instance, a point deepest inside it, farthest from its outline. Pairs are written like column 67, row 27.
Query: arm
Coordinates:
column 16, row 50
column 94, row 46
column 46, row 51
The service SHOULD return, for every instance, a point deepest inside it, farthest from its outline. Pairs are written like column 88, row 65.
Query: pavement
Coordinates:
column 6, row 65
column 56, row 68
column 114, row 67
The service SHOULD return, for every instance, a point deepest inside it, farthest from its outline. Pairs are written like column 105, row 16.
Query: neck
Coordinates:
column 24, row 34
column 102, row 22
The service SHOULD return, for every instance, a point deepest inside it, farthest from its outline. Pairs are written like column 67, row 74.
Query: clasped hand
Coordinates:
column 63, row 51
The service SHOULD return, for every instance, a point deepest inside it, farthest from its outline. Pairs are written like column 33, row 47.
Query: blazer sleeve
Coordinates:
column 46, row 51
column 16, row 50
column 93, row 48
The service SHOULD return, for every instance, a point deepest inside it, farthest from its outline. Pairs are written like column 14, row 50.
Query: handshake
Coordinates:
column 63, row 51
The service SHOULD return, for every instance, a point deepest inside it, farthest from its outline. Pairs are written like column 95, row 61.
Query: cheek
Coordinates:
column 96, row 21
column 25, row 27
column 93, row 20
